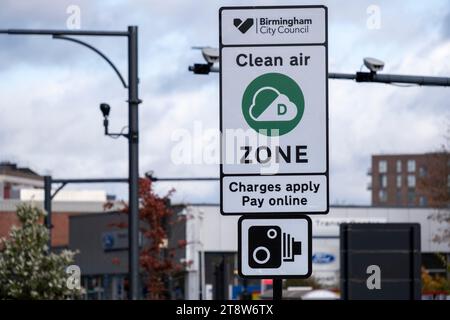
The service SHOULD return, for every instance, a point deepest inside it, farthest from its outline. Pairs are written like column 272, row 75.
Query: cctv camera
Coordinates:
column 211, row 55
column 374, row 65
column 105, row 108
column 150, row 175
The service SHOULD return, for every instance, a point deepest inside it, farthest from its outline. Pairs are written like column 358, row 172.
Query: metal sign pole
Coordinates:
column 48, row 208
column 277, row 285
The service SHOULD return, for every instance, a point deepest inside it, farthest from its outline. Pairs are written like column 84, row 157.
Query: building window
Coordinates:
column 411, row 181
column 382, row 166
column 382, row 195
column 422, row 171
column 423, row 201
column 383, row 181
column 399, row 198
column 411, row 165
column 411, row 198
column 399, row 166
column 399, row 181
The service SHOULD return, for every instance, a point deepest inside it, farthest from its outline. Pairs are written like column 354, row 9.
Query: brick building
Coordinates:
column 410, row 180
column 62, row 211
column 18, row 185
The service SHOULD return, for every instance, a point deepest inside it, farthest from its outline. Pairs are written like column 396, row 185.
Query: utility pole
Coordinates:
column 133, row 160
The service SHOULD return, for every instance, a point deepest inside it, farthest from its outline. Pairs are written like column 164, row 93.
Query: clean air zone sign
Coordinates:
column 274, row 109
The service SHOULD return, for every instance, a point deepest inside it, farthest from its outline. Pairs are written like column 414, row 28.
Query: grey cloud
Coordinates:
column 64, row 134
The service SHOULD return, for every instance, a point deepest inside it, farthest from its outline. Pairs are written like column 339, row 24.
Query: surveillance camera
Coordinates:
column 105, row 108
column 150, row 175
column 211, row 55
column 374, row 65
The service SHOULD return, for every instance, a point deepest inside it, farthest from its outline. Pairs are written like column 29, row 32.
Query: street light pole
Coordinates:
column 133, row 134
column 133, row 160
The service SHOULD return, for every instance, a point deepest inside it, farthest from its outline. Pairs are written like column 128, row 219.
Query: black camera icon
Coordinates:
column 268, row 247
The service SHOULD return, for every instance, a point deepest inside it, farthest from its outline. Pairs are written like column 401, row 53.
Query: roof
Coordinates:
column 11, row 169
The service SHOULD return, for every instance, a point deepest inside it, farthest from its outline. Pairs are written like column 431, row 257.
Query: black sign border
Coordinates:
column 275, row 217
column 221, row 46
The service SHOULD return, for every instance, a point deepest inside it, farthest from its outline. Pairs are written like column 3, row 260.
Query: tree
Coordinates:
column 433, row 284
column 27, row 269
column 157, row 257
column 435, row 186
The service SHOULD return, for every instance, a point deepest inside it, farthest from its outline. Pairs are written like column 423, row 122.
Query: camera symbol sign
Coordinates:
column 275, row 246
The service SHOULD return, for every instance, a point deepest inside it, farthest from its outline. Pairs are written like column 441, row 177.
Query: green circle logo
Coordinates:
column 273, row 104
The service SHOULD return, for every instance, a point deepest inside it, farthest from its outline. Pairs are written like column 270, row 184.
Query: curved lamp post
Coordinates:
column 132, row 135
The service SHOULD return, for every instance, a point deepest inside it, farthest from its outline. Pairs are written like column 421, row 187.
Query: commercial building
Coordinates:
column 211, row 252
column 102, row 242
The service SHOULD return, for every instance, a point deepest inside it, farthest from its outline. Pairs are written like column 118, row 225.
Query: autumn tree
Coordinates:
column 434, row 284
column 157, row 255
column 435, row 186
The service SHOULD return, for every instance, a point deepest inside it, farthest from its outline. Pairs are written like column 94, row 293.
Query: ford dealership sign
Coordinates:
column 323, row 258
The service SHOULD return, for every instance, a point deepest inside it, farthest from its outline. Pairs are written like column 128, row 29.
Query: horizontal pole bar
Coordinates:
column 347, row 76
column 64, row 32
column 120, row 180
column 186, row 179
column 99, row 180
column 418, row 80
column 379, row 78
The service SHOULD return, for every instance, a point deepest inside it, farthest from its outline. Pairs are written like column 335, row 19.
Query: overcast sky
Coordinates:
column 50, row 89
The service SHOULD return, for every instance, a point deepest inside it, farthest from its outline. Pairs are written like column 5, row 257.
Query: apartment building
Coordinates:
column 410, row 180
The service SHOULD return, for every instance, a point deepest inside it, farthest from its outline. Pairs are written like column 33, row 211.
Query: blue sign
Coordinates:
column 108, row 241
column 323, row 258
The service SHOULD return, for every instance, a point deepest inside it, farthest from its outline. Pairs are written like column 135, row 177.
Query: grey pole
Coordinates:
column 133, row 159
column 358, row 77
column 48, row 207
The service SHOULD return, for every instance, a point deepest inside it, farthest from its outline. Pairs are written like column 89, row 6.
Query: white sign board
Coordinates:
column 275, row 247
column 274, row 110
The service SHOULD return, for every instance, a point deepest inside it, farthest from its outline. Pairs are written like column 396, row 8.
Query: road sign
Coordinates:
column 274, row 110
column 275, row 246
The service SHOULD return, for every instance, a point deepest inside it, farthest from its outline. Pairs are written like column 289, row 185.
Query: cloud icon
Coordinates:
column 270, row 105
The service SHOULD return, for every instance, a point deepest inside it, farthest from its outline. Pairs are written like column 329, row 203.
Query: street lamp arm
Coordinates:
column 65, row 32
column 101, row 54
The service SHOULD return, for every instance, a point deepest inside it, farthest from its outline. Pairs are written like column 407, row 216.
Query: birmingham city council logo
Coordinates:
column 243, row 26
column 273, row 104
